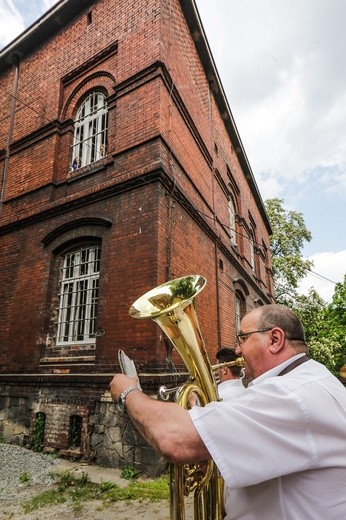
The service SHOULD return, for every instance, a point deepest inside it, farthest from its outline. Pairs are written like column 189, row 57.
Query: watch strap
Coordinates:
column 124, row 394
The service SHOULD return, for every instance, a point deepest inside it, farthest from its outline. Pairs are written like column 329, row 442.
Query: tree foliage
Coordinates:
column 286, row 243
column 324, row 324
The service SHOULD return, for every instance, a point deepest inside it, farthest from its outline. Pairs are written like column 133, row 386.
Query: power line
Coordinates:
column 225, row 226
column 171, row 192
column 323, row 277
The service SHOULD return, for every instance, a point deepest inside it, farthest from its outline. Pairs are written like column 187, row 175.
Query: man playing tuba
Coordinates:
column 280, row 445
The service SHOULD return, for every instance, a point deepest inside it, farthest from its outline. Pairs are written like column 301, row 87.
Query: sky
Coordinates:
column 282, row 67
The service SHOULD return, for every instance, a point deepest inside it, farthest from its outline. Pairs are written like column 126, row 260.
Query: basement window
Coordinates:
column 38, row 431
column 78, row 296
column 75, row 431
column 90, row 131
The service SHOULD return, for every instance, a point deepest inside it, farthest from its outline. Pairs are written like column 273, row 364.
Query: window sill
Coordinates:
column 89, row 169
column 68, row 360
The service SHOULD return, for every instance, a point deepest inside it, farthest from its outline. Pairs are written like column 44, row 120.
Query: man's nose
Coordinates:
column 238, row 350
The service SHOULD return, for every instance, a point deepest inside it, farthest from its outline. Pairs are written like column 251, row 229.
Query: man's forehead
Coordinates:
column 250, row 319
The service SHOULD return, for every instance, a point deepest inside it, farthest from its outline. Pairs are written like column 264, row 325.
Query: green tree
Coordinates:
column 327, row 351
column 325, row 326
column 311, row 310
column 286, row 243
column 335, row 321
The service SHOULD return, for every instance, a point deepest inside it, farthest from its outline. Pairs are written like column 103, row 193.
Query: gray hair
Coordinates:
column 275, row 315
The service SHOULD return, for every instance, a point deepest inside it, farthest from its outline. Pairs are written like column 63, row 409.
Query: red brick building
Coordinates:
column 121, row 168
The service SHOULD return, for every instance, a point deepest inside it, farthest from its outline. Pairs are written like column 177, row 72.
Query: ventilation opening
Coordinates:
column 89, row 17
column 221, row 264
column 75, row 432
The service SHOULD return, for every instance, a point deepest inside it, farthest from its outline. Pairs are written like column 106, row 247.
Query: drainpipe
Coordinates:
column 10, row 130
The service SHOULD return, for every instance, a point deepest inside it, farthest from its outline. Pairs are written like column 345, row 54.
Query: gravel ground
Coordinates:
column 16, row 462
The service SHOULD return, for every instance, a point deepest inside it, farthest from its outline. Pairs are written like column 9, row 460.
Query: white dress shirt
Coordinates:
column 281, row 445
column 230, row 388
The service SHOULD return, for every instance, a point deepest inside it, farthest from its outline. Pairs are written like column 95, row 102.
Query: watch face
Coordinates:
column 121, row 403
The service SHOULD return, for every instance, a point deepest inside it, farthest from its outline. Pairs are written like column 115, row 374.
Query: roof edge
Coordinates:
column 194, row 22
column 41, row 30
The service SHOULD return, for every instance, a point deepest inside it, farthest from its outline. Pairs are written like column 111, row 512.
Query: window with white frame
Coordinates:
column 78, row 297
column 90, row 131
column 252, row 251
column 232, row 233
column 239, row 309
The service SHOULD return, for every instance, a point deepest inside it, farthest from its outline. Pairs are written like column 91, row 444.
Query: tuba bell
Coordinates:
column 171, row 306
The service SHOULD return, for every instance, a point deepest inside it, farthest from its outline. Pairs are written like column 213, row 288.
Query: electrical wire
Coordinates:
column 171, row 193
column 321, row 276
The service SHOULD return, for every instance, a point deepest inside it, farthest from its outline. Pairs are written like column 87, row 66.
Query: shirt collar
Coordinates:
column 276, row 370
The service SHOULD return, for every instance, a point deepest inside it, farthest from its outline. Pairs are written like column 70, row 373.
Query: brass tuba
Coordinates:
column 171, row 305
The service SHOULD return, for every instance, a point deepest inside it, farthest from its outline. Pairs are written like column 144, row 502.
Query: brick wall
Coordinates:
column 157, row 204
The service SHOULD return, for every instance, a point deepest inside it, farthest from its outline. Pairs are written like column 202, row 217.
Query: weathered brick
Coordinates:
column 171, row 166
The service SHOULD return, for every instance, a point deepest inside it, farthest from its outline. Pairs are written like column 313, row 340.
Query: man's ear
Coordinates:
column 277, row 340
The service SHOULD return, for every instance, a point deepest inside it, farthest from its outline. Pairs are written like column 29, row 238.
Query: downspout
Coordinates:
column 217, row 282
column 10, row 131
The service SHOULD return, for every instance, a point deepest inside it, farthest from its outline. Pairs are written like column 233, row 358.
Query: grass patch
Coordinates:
column 153, row 490
column 78, row 490
column 45, row 499
column 130, row 473
column 24, row 477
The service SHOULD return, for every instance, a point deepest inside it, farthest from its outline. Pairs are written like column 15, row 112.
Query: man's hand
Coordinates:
column 119, row 383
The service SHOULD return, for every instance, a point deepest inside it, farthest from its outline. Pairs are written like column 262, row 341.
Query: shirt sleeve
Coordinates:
column 263, row 434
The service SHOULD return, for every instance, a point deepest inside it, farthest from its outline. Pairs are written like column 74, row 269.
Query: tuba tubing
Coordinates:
column 239, row 362
column 171, row 306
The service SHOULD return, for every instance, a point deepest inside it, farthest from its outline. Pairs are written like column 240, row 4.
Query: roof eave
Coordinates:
column 41, row 30
column 195, row 24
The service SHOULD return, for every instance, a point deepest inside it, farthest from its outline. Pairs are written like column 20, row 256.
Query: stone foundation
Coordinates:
column 107, row 437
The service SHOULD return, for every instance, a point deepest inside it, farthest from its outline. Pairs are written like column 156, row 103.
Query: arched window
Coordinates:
column 78, row 297
column 252, row 251
column 240, row 308
column 232, row 233
column 90, row 131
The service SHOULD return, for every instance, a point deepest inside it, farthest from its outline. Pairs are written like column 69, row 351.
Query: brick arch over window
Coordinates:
column 241, row 286
column 101, row 81
column 73, row 229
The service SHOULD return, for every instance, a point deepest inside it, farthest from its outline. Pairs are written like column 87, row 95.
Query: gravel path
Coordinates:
column 19, row 464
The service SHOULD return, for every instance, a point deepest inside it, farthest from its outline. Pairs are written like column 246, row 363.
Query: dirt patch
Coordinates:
column 12, row 508
column 93, row 510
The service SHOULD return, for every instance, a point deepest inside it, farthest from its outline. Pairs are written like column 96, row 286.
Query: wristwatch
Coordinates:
column 122, row 397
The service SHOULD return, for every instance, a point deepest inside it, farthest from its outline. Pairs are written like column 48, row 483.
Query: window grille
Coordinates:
column 90, row 131
column 75, row 431
column 78, row 298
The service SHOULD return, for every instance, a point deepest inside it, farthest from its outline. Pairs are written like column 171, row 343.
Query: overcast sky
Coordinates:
column 282, row 66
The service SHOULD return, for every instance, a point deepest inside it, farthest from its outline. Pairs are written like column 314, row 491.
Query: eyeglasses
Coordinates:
column 243, row 336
